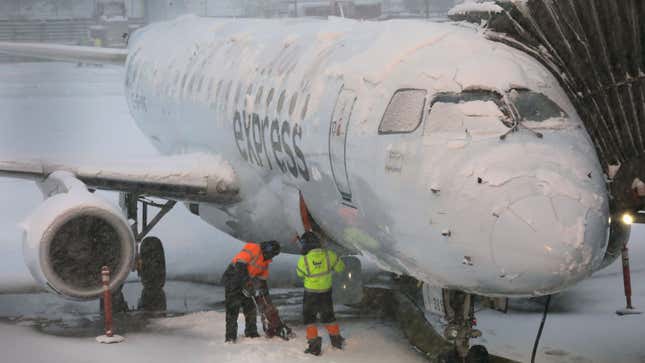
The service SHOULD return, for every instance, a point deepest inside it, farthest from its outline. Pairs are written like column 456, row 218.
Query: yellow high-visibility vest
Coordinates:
column 316, row 268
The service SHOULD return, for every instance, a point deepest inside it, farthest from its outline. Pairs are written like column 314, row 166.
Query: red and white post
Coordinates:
column 109, row 336
column 107, row 300
column 627, row 284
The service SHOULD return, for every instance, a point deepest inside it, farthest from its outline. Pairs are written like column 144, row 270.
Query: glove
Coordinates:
column 263, row 290
column 285, row 332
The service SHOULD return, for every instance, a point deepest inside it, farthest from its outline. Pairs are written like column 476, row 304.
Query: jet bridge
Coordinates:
column 596, row 49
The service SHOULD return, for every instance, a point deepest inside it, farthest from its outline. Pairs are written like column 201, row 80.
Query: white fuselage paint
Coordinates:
column 449, row 203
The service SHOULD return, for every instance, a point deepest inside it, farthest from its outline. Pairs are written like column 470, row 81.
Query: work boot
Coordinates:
column 337, row 341
column 315, row 346
column 252, row 334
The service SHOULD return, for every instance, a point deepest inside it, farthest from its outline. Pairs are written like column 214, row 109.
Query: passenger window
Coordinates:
column 200, row 85
column 270, row 97
column 183, row 81
column 303, row 114
column 292, row 103
column 404, row 112
column 135, row 73
column 237, row 93
column 218, row 90
column 175, row 84
column 228, row 92
column 209, row 88
column 191, row 84
column 209, row 92
column 249, row 91
column 143, row 72
column 258, row 97
column 281, row 101
column 155, row 72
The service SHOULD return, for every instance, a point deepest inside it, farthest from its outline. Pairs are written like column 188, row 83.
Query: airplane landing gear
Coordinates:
column 152, row 272
column 151, row 258
column 152, row 263
column 460, row 314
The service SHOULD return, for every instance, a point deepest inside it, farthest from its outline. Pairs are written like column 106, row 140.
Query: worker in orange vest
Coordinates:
column 248, row 268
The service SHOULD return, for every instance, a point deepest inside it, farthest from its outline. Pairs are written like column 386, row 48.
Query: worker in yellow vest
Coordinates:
column 316, row 267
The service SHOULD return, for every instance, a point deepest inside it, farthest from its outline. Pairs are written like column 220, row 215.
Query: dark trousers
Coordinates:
column 234, row 301
column 318, row 303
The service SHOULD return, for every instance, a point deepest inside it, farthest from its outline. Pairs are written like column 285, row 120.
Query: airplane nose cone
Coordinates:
column 543, row 244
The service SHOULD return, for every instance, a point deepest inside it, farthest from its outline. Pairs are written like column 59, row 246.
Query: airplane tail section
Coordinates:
column 68, row 53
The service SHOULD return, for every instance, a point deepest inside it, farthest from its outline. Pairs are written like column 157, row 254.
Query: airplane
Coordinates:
column 424, row 147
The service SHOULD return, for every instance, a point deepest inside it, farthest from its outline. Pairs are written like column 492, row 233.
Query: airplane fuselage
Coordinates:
column 390, row 131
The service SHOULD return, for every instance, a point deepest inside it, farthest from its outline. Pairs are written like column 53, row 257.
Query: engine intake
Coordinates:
column 71, row 236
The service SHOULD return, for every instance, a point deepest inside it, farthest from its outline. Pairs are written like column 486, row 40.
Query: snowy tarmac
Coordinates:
column 60, row 110
column 43, row 327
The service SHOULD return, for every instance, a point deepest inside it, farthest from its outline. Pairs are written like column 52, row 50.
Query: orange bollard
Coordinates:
column 627, row 285
column 109, row 336
column 107, row 301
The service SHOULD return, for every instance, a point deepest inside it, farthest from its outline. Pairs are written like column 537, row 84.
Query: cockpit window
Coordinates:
column 475, row 112
column 535, row 107
column 467, row 96
column 404, row 112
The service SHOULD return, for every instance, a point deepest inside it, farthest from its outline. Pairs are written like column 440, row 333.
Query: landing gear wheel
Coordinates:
column 152, row 270
column 153, row 300
column 477, row 354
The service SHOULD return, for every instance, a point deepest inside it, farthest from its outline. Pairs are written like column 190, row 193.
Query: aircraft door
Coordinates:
column 338, row 141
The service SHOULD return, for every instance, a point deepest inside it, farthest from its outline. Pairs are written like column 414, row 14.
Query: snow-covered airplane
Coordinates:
column 425, row 147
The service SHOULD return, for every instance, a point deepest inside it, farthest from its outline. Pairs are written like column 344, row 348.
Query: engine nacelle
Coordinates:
column 72, row 235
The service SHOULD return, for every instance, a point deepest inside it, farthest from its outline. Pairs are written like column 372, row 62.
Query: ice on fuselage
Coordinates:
column 227, row 77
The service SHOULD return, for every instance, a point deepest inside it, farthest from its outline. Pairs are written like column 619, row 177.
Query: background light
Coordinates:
column 628, row 219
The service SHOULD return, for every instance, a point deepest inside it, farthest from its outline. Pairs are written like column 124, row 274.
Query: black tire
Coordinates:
column 152, row 271
column 477, row 354
column 152, row 300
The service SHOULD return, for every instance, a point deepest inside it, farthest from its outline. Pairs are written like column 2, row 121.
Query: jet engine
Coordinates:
column 69, row 237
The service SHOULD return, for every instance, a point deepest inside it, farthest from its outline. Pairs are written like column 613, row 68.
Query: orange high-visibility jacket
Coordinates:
column 252, row 256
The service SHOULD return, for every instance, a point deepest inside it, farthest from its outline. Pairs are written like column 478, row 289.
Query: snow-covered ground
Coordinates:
column 199, row 337
column 582, row 325
column 60, row 110
column 65, row 331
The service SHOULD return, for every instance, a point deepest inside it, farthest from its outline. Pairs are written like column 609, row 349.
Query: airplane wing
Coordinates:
column 66, row 52
column 188, row 177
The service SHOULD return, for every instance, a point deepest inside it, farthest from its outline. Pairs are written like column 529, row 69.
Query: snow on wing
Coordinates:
column 188, row 177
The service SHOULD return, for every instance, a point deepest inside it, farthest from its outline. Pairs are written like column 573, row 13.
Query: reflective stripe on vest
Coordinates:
column 325, row 273
column 254, row 258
